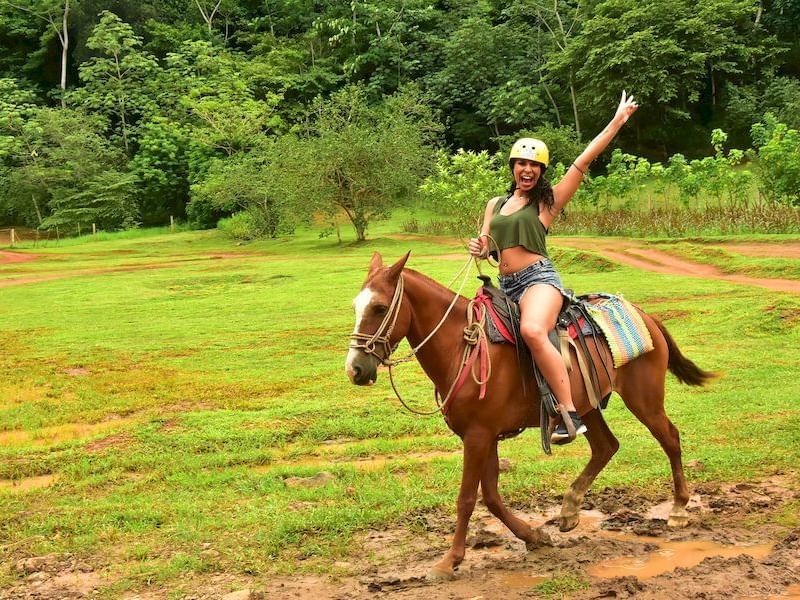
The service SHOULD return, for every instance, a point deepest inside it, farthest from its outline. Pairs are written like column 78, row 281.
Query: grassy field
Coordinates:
column 159, row 389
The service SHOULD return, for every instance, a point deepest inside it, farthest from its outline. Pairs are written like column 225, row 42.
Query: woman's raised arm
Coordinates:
column 565, row 189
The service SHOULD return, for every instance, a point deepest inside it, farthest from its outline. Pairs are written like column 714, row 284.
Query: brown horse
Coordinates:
column 414, row 308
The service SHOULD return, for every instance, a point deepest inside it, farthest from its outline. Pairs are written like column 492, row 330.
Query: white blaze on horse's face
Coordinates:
column 360, row 304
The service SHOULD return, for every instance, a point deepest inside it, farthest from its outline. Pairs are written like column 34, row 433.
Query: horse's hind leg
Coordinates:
column 650, row 411
column 533, row 538
column 603, row 445
column 477, row 444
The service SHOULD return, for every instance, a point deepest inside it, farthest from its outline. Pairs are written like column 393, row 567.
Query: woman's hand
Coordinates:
column 475, row 246
column 627, row 106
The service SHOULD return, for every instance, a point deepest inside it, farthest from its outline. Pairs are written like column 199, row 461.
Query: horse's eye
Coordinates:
column 380, row 310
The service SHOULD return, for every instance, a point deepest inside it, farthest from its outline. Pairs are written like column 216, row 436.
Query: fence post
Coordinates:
column 12, row 237
column 171, row 223
column 79, row 230
column 94, row 229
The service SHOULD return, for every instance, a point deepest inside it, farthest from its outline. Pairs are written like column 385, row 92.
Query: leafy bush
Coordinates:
column 460, row 186
column 778, row 154
column 245, row 225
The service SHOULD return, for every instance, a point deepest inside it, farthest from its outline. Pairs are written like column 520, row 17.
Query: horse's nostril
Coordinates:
column 356, row 371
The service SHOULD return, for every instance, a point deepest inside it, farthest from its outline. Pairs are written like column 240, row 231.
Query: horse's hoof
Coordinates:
column 540, row 539
column 568, row 523
column 678, row 521
column 439, row 574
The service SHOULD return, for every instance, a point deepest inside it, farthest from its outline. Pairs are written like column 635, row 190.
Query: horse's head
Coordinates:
column 379, row 323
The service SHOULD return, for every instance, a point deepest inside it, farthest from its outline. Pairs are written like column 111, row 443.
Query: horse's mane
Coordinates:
column 441, row 290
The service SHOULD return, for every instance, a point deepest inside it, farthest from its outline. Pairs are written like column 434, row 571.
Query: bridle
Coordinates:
column 369, row 343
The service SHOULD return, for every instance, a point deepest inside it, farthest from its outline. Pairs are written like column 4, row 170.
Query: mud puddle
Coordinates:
column 370, row 463
column 16, row 486
column 670, row 556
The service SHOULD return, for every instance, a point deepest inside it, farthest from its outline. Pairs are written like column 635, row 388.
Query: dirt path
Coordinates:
column 7, row 258
column 636, row 254
column 122, row 269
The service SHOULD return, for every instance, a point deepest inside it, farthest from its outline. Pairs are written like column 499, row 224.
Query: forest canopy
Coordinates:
column 127, row 112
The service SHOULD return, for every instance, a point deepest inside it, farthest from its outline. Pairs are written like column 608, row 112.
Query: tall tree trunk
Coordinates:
column 36, row 207
column 552, row 100
column 64, row 53
column 574, row 106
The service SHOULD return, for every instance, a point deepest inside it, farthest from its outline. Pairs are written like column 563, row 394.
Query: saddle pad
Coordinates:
column 623, row 328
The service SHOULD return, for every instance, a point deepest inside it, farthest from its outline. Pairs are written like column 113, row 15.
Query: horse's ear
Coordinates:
column 376, row 263
column 396, row 268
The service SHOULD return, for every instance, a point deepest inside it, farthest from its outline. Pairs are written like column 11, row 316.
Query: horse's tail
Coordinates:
column 684, row 369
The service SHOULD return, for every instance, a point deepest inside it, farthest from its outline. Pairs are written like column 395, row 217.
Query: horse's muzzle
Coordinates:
column 361, row 368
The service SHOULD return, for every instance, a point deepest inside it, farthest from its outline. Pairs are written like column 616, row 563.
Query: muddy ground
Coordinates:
column 732, row 548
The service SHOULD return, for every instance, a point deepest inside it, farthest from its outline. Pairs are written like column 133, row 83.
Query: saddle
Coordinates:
column 573, row 326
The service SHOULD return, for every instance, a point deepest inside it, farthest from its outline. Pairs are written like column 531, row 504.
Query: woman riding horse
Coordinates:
column 519, row 224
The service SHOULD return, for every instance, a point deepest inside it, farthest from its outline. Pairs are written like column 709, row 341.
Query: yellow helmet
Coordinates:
column 531, row 149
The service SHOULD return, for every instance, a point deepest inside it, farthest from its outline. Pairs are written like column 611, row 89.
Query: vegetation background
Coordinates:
column 121, row 113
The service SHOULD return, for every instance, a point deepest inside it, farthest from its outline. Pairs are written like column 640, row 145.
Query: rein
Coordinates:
column 474, row 334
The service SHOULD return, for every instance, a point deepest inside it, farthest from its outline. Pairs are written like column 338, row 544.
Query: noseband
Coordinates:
column 368, row 344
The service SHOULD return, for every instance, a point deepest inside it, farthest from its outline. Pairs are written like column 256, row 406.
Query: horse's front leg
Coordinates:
column 533, row 538
column 477, row 444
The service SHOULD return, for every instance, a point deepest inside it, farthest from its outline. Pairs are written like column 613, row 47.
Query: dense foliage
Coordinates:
column 716, row 194
column 118, row 112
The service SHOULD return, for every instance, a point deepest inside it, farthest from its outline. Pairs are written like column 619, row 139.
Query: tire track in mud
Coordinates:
column 636, row 254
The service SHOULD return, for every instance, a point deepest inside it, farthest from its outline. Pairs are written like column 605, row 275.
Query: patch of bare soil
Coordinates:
column 54, row 577
column 121, row 269
column 7, row 258
column 637, row 255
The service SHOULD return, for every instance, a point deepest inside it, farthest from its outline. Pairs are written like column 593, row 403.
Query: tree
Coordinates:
column 74, row 176
column 56, row 14
column 239, row 184
column 117, row 83
column 17, row 149
column 357, row 158
column 778, row 153
column 674, row 55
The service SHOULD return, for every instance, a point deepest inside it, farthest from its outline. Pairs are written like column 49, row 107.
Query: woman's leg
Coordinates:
column 539, row 308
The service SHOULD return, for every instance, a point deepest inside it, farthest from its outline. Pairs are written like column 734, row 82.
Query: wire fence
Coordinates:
column 11, row 237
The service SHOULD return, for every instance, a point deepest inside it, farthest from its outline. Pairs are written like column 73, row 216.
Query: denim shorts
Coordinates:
column 516, row 284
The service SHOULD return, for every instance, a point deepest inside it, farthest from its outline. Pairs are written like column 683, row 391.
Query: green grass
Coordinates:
column 171, row 402
column 560, row 587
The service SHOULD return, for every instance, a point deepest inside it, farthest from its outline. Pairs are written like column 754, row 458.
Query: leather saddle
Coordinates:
column 573, row 325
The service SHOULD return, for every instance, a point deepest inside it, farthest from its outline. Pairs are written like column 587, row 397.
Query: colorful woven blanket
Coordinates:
column 622, row 326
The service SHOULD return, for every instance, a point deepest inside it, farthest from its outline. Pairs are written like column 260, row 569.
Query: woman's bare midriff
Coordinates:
column 517, row 258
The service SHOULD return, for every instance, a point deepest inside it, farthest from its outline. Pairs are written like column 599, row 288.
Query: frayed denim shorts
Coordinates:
column 514, row 285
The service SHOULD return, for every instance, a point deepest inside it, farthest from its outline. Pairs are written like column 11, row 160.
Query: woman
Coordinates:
column 519, row 224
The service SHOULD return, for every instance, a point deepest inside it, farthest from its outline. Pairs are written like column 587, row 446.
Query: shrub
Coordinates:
column 245, row 225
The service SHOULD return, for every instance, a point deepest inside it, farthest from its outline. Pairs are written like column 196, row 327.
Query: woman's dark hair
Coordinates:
column 541, row 192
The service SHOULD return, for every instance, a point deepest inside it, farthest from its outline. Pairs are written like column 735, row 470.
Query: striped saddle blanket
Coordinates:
column 622, row 326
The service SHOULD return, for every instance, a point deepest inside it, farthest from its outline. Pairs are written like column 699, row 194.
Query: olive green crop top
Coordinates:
column 521, row 228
